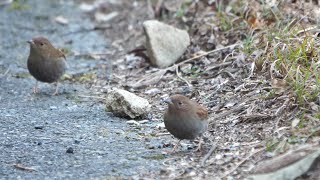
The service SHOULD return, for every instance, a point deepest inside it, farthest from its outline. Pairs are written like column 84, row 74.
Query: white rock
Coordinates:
column 126, row 104
column 61, row 20
column 219, row 156
column 133, row 122
column 160, row 125
column 101, row 17
column 165, row 44
column 144, row 121
column 153, row 91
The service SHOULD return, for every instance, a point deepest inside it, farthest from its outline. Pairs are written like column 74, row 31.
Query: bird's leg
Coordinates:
column 199, row 148
column 56, row 92
column 175, row 147
column 35, row 88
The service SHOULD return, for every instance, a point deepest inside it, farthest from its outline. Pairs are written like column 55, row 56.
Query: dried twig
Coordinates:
column 92, row 97
column 183, row 79
column 207, row 53
column 22, row 167
column 162, row 134
column 85, row 30
column 240, row 163
column 281, row 108
column 157, row 9
column 150, row 11
column 224, row 114
column 218, row 66
column 236, row 108
column 213, row 147
column 5, row 73
column 158, row 75
column 149, row 80
column 93, row 54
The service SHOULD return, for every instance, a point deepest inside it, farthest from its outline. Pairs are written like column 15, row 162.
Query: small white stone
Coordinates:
column 126, row 104
column 53, row 107
column 144, row 121
column 160, row 125
column 133, row 122
column 219, row 156
column 153, row 91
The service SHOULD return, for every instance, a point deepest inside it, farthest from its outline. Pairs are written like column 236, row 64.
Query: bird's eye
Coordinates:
column 41, row 44
column 180, row 103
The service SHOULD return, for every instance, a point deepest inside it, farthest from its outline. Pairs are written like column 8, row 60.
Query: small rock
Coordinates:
column 126, row 104
column 132, row 122
column 295, row 122
column 70, row 150
column 61, row 20
column 87, row 7
column 184, row 90
column 165, row 44
column 151, row 146
column 101, row 17
column 269, row 154
column 39, row 127
column 76, row 141
column 144, row 121
column 119, row 131
column 219, row 156
column 219, row 162
column 153, row 91
column 160, row 126
column 53, row 107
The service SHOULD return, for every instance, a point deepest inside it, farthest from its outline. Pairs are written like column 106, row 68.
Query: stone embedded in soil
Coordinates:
column 153, row 91
column 39, row 127
column 165, row 44
column 133, row 122
column 70, row 150
column 126, row 104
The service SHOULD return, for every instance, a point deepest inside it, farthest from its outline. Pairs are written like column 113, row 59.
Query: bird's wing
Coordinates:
column 57, row 54
column 202, row 112
column 61, row 54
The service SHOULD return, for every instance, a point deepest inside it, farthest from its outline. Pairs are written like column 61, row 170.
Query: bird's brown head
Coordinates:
column 178, row 103
column 41, row 45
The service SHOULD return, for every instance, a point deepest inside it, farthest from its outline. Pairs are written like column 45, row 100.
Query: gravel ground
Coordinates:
column 65, row 136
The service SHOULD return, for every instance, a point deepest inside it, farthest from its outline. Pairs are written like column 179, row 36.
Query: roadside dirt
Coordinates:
column 36, row 130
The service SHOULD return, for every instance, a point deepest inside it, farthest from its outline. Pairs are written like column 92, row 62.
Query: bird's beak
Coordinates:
column 30, row 41
column 168, row 101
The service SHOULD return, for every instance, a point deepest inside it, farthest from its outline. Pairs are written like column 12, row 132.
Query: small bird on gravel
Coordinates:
column 185, row 119
column 45, row 62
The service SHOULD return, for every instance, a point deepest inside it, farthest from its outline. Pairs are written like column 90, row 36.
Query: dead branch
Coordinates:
column 203, row 161
column 22, row 167
column 183, row 79
column 158, row 75
column 241, row 162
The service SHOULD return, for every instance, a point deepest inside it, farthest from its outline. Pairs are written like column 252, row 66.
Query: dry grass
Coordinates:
column 263, row 94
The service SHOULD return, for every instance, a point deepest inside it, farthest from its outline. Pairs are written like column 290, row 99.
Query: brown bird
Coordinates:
column 45, row 62
column 185, row 119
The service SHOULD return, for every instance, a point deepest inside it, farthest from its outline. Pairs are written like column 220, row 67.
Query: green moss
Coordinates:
column 18, row 5
column 154, row 157
column 22, row 75
column 271, row 145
